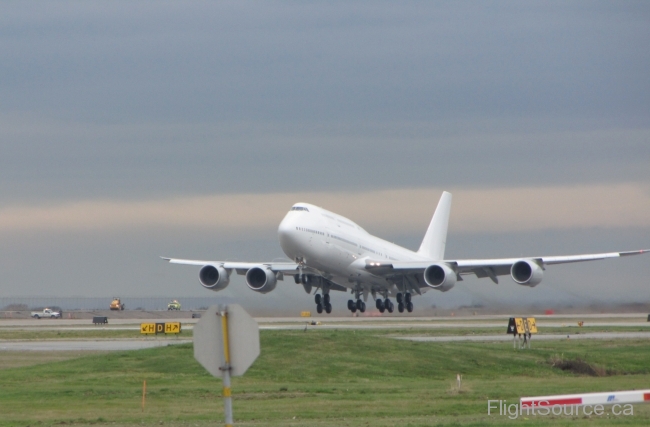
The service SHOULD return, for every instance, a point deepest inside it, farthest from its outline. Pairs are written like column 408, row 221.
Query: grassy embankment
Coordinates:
column 322, row 378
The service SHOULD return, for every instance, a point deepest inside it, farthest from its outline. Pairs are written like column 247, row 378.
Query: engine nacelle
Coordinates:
column 526, row 272
column 440, row 277
column 213, row 277
column 261, row 279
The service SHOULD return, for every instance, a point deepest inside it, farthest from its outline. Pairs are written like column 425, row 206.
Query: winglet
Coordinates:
column 639, row 252
column 435, row 240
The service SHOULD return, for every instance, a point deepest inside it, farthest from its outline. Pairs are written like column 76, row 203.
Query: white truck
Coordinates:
column 46, row 313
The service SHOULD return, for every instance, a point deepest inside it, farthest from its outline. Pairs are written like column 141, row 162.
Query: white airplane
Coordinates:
column 332, row 253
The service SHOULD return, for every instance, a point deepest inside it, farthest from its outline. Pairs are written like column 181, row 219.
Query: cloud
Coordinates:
column 380, row 211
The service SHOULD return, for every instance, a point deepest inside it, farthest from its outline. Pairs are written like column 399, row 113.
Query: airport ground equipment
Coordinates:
column 174, row 305
column 160, row 328
column 46, row 313
column 116, row 304
column 522, row 327
column 100, row 320
column 226, row 342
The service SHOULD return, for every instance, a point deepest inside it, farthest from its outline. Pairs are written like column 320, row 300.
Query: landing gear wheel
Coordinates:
column 398, row 297
column 296, row 278
column 380, row 305
column 363, row 307
column 409, row 307
column 318, row 299
column 390, row 307
column 305, row 279
column 319, row 308
column 407, row 298
column 328, row 308
column 400, row 307
column 358, row 304
column 351, row 305
column 326, row 299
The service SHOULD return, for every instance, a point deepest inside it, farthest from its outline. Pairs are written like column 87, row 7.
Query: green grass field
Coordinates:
column 321, row 378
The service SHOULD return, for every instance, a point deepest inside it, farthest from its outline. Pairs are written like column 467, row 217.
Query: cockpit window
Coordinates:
column 299, row 208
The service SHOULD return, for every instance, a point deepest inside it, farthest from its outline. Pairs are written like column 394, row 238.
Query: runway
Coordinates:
column 138, row 344
column 370, row 322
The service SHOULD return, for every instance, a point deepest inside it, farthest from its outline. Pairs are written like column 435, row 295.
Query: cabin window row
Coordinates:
column 309, row 230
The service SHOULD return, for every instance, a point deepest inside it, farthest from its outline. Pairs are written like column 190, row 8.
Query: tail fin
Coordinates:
column 433, row 244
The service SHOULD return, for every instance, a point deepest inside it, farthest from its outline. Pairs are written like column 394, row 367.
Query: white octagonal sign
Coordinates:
column 243, row 340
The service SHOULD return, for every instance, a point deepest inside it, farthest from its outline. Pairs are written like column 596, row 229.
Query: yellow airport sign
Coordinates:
column 519, row 322
column 532, row 325
column 522, row 325
column 160, row 328
column 173, row 328
column 147, row 328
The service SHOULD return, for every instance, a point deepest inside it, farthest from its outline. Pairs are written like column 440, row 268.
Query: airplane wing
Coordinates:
column 484, row 267
column 242, row 267
column 277, row 267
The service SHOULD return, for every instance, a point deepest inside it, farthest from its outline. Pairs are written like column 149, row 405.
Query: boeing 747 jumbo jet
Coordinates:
column 332, row 253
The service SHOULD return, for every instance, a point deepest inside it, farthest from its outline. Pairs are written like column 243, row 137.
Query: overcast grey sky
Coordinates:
column 132, row 130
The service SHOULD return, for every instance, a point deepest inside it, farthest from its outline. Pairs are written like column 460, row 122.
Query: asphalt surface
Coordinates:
column 301, row 323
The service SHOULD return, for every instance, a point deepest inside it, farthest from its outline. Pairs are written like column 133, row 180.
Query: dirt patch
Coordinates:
column 579, row 366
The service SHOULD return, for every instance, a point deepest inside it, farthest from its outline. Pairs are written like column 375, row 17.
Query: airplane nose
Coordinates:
column 286, row 234
column 286, row 227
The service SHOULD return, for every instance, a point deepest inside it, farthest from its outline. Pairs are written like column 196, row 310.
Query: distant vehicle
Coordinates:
column 174, row 305
column 46, row 313
column 116, row 304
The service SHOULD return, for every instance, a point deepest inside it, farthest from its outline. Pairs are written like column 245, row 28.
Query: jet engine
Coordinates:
column 526, row 272
column 440, row 277
column 213, row 277
column 261, row 279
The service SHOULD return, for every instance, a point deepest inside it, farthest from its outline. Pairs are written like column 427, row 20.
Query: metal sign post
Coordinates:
column 226, row 343
column 227, row 394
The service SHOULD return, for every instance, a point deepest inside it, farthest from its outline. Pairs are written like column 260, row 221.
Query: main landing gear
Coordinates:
column 323, row 302
column 353, row 305
column 404, row 301
column 385, row 305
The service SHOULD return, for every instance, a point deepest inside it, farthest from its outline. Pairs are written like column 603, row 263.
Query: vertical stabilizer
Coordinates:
column 433, row 244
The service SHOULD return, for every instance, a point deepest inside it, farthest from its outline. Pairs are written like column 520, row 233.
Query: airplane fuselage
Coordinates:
column 337, row 246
